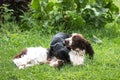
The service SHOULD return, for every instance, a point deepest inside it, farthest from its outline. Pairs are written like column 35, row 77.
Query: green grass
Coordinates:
column 105, row 65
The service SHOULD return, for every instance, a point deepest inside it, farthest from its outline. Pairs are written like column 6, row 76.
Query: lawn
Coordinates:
column 105, row 65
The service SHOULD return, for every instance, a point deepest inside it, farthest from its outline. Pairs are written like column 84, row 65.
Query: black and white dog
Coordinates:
column 58, row 48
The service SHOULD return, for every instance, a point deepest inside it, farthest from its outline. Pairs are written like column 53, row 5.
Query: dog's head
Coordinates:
column 78, row 41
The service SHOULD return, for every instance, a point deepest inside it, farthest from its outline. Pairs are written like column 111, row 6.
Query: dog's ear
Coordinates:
column 23, row 52
column 87, row 46
column 52, row 45
column 49, row 54
column 90, row 51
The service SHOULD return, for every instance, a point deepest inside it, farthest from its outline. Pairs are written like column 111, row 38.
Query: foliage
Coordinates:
column 18, row 6
column 74, row 13
column 53, row 15
column 7, row 24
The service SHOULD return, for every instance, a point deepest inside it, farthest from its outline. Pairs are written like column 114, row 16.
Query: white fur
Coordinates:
column 55, row 62
column 77, row 57
column 70, row 39
column 34, row 55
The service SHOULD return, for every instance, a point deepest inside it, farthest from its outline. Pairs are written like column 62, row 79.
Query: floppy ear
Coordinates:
column 49, row 54
column 23, row 52
column 88, row 48
column 52, row 45
column 90, row 51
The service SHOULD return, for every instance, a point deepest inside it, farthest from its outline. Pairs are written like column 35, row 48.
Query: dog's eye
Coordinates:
column 75, row 37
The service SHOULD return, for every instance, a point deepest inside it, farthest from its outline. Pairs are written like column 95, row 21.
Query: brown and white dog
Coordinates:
column 79, row 46
column 35, row 55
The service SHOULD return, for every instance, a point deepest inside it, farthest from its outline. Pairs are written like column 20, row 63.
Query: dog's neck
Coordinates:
column 77, row 56
column 78, row 51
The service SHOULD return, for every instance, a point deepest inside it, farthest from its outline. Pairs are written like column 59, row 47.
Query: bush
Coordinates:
column 18, row 7
column 74, row 13
column 51, row 15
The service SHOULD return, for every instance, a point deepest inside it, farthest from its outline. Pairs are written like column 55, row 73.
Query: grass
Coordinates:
column 105, row 65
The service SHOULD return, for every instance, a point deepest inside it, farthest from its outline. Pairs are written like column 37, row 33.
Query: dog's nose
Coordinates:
column 66, row 42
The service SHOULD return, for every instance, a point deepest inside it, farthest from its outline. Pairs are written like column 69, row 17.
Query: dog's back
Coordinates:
column 59, row 38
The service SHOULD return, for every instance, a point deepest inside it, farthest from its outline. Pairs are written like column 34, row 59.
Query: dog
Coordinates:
column 35, row 55
column 77, row 41
column 79, row 47
column 58, row 48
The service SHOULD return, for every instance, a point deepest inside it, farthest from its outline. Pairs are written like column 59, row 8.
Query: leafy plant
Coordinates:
column 7, row 23
column 64, row 14
column 18, row 6
column 74, row 13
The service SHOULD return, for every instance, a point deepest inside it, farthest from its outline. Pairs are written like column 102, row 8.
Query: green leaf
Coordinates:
column 114, row 8
column 35, row 4
column 96, row 40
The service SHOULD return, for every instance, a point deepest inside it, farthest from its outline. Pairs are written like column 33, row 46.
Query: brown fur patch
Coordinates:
column 23, row 52
column 78, row 41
